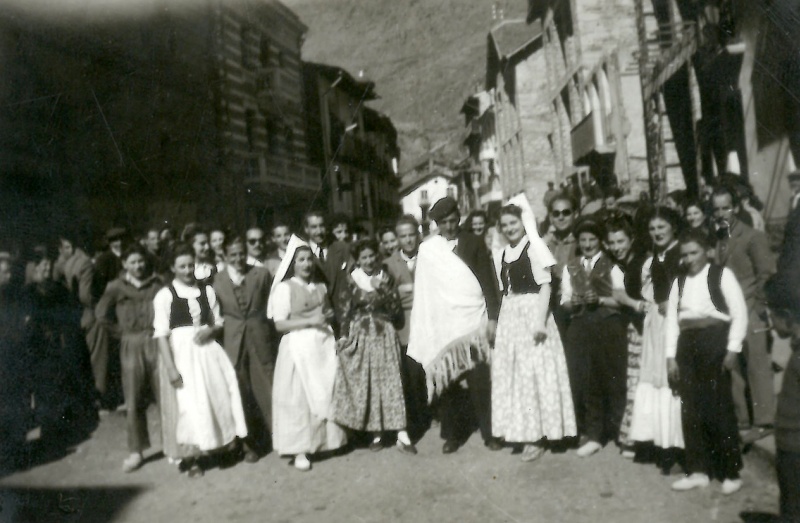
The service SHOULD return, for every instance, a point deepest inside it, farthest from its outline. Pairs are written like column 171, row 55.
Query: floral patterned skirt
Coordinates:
column 368, row 394
column 531, row 396
column 634, row 361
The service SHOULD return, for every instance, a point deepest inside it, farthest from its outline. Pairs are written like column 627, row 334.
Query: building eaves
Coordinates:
column 512, row 36
column 409, row 185
column 364, row 90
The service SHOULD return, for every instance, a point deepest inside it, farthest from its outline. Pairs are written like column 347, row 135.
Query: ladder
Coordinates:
column 663, row 50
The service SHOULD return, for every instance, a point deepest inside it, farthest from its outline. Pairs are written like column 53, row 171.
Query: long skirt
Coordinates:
column 369, row 387
column 302, row 388
column 531, row 397
column 657, row 408
column 210, row 413
column 634, row 361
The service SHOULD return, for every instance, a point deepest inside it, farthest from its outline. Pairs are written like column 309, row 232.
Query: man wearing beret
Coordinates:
column 442, row 280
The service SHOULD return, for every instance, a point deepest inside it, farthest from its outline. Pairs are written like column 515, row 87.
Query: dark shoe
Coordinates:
column 494, row 444
column 195, row 471
column 449, row 447
column 406, row 449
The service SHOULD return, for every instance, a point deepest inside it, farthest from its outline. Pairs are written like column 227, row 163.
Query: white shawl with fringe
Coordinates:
column 448, row 317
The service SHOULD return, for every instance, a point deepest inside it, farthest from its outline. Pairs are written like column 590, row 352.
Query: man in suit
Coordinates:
column 77, row 272
column 746, row 252
column 456, row 410
column 333, row 260
column 400, row 266
column 256, row 246
column 249, row 340
column 787, row 276
column 103, row 347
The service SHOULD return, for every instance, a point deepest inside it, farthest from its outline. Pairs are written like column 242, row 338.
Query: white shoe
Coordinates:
column 731, row 486
column 628, row 454
column 302, row 463
column 696, row 480
column 132, row 462
column 589, row 448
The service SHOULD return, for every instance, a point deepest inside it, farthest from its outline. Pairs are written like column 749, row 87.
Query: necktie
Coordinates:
column 321, row 254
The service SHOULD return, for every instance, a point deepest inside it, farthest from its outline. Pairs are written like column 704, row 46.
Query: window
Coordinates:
column 264, row 53
column 245, row 34
column 272, row 136
column 288, row 136
column 250, row 122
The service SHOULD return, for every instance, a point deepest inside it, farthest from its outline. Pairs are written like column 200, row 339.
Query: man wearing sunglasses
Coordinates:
column 561, row 214
column 256, row 250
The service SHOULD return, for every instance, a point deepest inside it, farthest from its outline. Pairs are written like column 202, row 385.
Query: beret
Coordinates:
column 115, row 233
column 443, row 208
column 588, row 224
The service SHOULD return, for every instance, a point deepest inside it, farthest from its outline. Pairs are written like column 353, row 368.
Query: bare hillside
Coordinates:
column 425, row 56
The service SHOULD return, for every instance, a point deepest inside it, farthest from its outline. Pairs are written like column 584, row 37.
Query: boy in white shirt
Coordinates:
column 706, row 325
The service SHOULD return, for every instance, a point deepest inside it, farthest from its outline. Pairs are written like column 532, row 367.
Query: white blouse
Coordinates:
column 162, row 304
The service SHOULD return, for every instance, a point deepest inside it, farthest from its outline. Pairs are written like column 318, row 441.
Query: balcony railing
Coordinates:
column 284, row 172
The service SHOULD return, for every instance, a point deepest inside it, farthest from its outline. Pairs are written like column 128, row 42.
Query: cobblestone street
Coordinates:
column 472, row 485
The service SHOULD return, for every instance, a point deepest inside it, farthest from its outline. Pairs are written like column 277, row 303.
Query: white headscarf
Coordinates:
column 538, row 250
column 283, row 268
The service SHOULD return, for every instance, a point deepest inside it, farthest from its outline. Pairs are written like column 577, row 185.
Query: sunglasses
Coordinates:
column 253, row 241
column 559, row 214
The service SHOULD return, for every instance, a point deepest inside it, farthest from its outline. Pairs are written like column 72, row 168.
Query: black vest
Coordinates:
column 517, row 276
column 179, row 315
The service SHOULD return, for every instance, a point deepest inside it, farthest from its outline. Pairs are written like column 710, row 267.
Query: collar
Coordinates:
column 511, row 254
column 316, row 248
column 594, row 259
column 253, row 261
column 663, row 254
column 236, row 277
column 407, row 258
column 139, row 283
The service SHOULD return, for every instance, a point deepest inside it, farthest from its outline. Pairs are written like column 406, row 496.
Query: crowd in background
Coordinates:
column 647, row 326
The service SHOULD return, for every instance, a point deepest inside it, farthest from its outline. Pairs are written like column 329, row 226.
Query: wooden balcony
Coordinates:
column 282, row 172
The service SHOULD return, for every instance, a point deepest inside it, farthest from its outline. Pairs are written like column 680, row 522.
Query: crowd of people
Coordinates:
column 648, row 328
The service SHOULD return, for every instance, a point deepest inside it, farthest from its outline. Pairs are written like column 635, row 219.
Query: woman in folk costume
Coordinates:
column 626, row 282
column 368, row 395
column 209, row 406
column 531, row 397
column 596, row 341
column 305, row 369
column 657, row 408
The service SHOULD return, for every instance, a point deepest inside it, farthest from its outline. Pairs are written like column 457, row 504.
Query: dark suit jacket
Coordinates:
column 749, row 257
column 107, row 268
column 335, row 270
column 78, row 274
column 786, row 282
column 472, row 250
column 247, row 329
column 398, row 270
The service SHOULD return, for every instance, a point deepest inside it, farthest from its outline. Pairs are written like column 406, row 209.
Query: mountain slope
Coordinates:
column 425, row 57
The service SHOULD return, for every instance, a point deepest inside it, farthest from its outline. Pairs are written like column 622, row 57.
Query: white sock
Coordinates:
column 402, row 437
column 377, row 439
